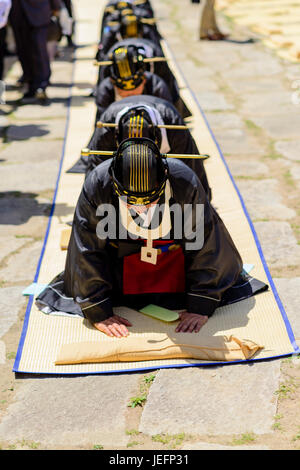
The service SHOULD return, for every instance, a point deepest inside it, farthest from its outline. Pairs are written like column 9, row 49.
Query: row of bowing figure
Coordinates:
column 144, row 230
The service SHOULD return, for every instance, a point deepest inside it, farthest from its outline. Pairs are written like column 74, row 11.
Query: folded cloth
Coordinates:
column 183, row 345
column 34, row 289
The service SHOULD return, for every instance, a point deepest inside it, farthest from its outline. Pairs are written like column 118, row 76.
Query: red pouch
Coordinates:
column 167, row 276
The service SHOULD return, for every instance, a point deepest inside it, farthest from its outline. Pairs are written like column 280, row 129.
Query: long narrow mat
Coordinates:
column 261, row 319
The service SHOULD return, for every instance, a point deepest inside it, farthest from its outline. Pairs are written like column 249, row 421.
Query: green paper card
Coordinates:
column 160, row 313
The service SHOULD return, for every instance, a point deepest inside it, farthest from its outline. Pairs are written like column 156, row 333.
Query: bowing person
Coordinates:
column 147, row 49
column 145, row 233
column 128, row 77
column 122, row 25
column 145, row 116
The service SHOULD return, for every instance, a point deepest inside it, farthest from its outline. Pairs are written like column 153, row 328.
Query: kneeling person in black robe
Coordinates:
column 118, row 26
column 131, row 246
column 142, row 116
column 127, row 78
column 140, row 8
column 149, row 50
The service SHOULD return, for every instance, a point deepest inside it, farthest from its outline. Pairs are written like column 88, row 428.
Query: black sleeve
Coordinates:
column 163, row 70
column 87, row 270
column 156, row 86
column 105, row 95
column 151, row 33
column 102, row 139
column 182, row 142
column 108, row 39
column 214, row 265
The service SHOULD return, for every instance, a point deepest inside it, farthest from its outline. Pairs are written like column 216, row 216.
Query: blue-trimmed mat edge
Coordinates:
column 31, row 297
column 257, row 242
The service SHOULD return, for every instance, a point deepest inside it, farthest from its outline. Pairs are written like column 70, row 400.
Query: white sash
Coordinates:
column 161, row 231
column 148, row 253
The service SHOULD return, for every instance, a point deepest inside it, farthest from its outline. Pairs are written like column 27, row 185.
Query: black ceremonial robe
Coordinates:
column 154, row 86
column 111, row 34
column 93, row 281
column 180, row 141
column 144, row 10
column 151, row 49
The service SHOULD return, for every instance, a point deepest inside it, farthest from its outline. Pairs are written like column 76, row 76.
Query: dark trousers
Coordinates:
column 68, row 5
column 31, row 43
column 2, row 51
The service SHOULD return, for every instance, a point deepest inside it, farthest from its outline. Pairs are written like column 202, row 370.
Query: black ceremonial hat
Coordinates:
column 127, row 69
column 139, row 172
column 137, row 122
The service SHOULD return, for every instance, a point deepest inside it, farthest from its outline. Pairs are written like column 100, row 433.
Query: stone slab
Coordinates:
column 295, row 171
column 204, row 85
column 11, row 301
column 215, row 401
column 15, row 211
column 34, row 112
column 9, row 244
column 289, row 149
column 252, row 85
column 267, row 104
column 27, row 215
column 224, row 120
column 292, row 71
column 253, row 52
column 27, row 131
column 289, row 293
column 278, row 243
column 34, row 151
column 52, row 129
column 250, row 168
column 21, row 266
column 33, row 177
column 280, row 125
column 61, row 413
column 236, row 142
column 213, row 56
column 211, row 101
column 209, row 446
column 200, row 78
column 2, row 352
column 3, row 122
column 265, row 67
column 263, row 199
column 33, row 225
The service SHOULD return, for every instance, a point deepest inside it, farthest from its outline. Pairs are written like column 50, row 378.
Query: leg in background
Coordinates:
column 208, row 27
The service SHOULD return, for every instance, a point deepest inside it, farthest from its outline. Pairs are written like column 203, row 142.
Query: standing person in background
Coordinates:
column 30, row 20
column 208, row 27
column 5, row 6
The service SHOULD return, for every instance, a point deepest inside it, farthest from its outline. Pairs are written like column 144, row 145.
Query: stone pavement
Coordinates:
column 277, row 21
column 245, row 92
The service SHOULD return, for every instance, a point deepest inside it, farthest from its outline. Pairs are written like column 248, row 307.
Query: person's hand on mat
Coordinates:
column 114, row 326
column 190, row 322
